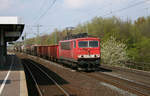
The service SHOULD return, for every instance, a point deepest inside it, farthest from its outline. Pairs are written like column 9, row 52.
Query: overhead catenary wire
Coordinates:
column 41, row 8
column 109, row 13
column 32, row 31
column 43, row 5
column 125, row 8
column 45, row 12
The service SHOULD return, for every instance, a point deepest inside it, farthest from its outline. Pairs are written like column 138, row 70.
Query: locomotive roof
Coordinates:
column 94, row 38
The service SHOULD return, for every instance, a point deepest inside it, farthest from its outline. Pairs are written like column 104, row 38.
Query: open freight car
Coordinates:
column 53, row 52
column 50, row 52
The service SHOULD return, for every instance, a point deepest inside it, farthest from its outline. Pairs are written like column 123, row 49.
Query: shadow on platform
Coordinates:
column 11, row 60
column 7, row 81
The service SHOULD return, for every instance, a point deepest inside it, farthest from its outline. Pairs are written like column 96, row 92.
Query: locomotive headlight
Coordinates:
column 97, row 55
column 89, row 56
column 80, row 56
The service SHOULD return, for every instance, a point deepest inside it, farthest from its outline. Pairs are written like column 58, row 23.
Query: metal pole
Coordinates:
column 38, row 32
column 146, row 12
column 87, row 30
column 55, row 38
column 2, row 49
column 5, row 48
column 25, row 34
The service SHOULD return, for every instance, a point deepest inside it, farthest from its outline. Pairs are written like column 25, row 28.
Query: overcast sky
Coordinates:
column 66, row 13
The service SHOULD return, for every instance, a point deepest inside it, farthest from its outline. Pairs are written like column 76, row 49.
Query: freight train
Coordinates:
column 79, row 52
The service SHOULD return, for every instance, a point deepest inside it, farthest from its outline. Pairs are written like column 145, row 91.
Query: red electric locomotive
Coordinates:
column 78, row 52
column 81, row 52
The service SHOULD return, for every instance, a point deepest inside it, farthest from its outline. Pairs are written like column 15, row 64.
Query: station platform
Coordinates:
column 12, row 78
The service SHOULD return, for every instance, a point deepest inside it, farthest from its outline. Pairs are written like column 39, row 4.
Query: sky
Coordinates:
column 69, row 13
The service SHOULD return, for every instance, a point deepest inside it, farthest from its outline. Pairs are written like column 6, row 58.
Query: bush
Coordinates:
column 113, row 52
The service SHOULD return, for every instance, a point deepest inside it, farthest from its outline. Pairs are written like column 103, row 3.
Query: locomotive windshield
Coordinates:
column 85, row 44
column 93, row 43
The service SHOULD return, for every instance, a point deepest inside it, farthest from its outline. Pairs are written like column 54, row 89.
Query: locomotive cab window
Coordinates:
column 83, row 44
column 93, row 43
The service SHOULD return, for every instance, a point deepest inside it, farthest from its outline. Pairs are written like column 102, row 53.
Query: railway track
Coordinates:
column 129, row 85
column 122, row 83
column 45, row 84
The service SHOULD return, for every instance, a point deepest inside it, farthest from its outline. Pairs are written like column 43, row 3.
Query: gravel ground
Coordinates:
column 82, row 85
column 143, row 79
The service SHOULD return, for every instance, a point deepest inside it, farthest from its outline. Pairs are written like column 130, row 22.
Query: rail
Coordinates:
column 126, row 84
column 40, row 93
column 55, row 82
